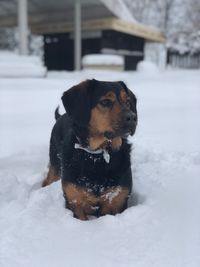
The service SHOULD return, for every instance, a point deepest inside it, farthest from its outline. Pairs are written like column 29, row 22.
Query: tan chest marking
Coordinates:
column 84, row 203
column 113, row 200
column 80, row 201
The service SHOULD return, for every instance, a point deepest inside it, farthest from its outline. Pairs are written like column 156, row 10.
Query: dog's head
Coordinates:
column 106, row 109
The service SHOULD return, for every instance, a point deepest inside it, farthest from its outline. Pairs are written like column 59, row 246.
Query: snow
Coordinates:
column 145, row 66
column 161, row 226
column 112, row 194
column 99, row 59
column 120, row 9
column 178, row 19
column 13, row 65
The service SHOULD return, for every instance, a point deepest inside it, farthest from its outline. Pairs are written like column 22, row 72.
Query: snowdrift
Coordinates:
column 15, row 66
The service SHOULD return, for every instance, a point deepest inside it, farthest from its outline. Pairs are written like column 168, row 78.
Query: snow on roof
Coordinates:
column 119, row 8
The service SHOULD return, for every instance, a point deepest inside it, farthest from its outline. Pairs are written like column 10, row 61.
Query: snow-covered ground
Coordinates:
column 162, row 225
column 14, row 65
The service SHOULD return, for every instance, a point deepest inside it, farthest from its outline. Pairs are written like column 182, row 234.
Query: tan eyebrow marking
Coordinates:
column 109, row 95
column 123, row 96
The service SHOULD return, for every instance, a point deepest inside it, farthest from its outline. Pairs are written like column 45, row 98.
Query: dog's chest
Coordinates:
column 92, row 171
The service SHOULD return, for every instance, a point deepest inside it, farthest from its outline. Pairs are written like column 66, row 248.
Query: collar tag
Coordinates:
column 106, row 156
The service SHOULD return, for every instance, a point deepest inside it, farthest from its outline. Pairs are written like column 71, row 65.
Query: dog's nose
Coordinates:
column 130, row 117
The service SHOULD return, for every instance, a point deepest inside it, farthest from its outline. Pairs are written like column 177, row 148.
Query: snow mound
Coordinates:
column 147, row 67
column 34, row 219
column 103, row 61
column 13, row 66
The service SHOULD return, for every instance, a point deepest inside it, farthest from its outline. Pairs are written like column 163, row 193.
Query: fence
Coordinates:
column 187, row 61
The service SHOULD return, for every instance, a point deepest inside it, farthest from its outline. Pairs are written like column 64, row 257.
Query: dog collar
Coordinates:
column 105, row 153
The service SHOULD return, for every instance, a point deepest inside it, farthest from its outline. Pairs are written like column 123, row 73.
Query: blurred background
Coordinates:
column 65, row 33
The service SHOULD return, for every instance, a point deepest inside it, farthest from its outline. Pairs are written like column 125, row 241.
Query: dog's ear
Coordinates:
column 133, row 99
column 77, row 101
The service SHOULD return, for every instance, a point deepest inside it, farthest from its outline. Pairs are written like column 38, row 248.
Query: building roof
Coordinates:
column 57, row 16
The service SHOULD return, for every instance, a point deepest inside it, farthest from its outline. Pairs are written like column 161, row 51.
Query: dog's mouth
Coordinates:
column 123, row 132
column 124, row 127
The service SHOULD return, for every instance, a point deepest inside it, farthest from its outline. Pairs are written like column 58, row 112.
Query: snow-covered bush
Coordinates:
column 178, row 19
column 147, row 67
column 7, row 39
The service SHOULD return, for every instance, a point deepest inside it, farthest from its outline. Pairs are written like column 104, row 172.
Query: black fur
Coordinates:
column 78, row 166
column 57, row 115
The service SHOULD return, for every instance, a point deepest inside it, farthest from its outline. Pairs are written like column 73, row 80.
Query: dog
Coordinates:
column 89, row 150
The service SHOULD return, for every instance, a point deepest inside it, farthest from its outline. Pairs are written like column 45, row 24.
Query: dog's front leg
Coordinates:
column 79, row 201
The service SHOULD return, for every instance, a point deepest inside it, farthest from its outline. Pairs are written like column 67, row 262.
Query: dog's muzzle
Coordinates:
column 129, row 123
column 127, row 126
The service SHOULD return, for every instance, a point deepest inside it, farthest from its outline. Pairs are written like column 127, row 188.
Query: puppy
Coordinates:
column 89, row 149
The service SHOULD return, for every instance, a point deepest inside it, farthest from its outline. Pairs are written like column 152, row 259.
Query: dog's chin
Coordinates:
column 109, row 135
column 132, row 132
column 122, row 132
column 127, row 133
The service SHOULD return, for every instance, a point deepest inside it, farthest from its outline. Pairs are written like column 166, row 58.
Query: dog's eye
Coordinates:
column 107, row 103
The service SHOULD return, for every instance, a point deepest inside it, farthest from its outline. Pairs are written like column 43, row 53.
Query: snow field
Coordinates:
column 13, row 65
column 161, row 226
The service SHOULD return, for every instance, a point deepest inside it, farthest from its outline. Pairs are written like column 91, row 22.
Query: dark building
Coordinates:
column 59, row 48
column 97, row 26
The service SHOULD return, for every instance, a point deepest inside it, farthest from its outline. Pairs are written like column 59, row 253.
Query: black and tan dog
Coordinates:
column 89, row 149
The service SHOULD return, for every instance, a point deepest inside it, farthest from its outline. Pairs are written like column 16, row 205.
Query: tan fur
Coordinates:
column 84, row 203
column 113, row 199
column 81, row 202
column 116, row 143
column 102, row 143
column 102, row 120
column 97, row 142
column 123, row 96
column 52, row 176
column 110, row 95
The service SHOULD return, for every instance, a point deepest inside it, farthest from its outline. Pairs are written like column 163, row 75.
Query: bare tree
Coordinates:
column 138, row 8
column 167, row 9
column 193, row 13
